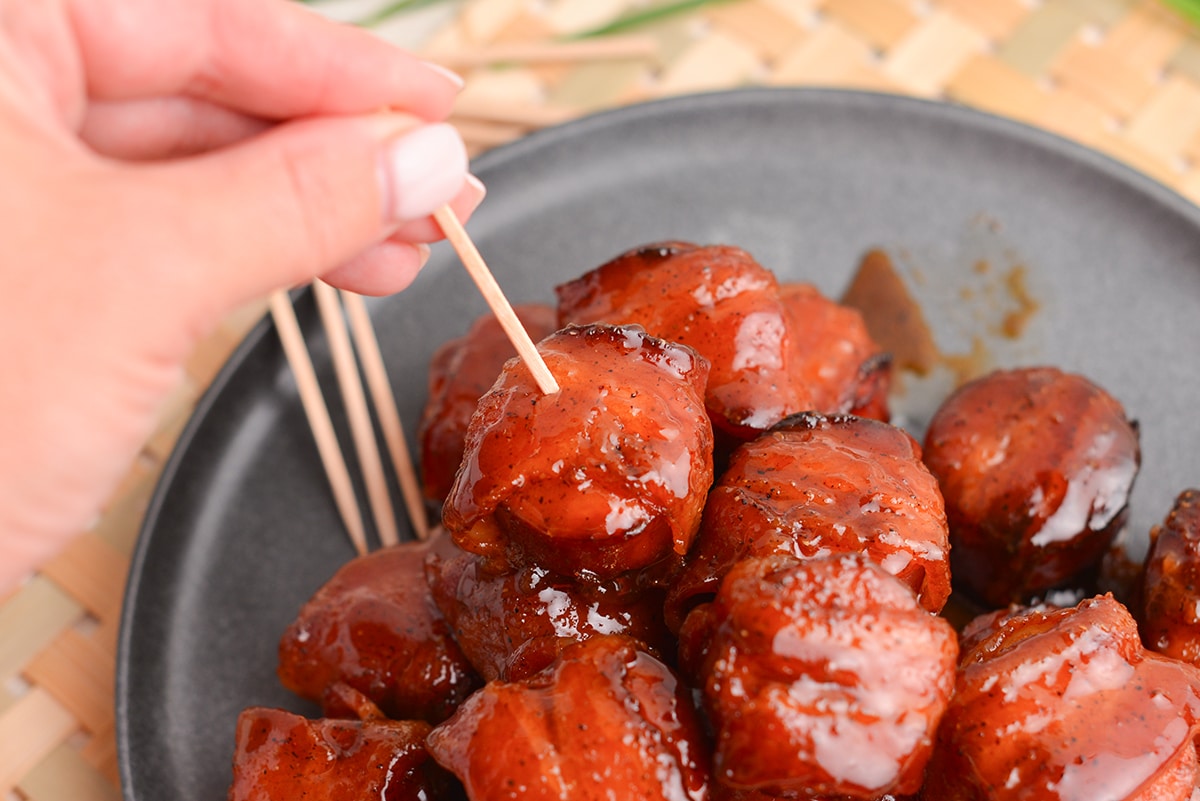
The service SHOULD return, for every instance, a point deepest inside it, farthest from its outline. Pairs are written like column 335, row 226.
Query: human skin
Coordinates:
column 164, row 162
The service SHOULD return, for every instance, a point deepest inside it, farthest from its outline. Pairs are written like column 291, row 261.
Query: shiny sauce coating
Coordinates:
column 716, row 299
column 1066, row 705
column 1170, row 596
column 719, row 792
column 374, row 626
column 605, row 721
column 607, row 475
column 1036, row 466
column 461, row 371
column 821, row 676
column 820, row 486
column 833, row 356
column 281, row 756
column 513, row 623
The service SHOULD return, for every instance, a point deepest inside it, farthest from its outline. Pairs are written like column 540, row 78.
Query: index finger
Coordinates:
column 269, row 58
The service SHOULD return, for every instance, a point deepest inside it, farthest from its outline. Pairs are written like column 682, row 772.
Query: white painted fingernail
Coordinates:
column 422, row 171
column 450, row 75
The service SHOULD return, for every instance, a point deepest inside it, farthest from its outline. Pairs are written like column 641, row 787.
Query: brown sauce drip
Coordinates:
column 1016, row 281
column 892, row 315
column 897, row 322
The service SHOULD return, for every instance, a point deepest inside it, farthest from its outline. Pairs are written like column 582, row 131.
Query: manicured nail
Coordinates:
column 422, row 171
column 479, row 192
column 450, row 75
column 423, row 251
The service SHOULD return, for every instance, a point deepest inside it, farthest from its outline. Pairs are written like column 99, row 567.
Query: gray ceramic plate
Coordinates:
column 242, row 528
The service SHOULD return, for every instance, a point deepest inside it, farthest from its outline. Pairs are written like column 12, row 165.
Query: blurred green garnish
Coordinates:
column 626, row 22
column 390, row 10
column 645, row 16
column 1188, row 8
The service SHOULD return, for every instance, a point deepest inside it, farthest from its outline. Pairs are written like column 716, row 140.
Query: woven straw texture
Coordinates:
column 1122, row 76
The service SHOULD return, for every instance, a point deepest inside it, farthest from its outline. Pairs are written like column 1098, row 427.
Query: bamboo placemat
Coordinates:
column 1122, row 76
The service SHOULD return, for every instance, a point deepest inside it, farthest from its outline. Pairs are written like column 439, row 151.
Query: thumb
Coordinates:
column 304, row 198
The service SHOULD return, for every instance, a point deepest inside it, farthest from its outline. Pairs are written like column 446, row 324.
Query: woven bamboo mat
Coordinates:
column 1122, row 76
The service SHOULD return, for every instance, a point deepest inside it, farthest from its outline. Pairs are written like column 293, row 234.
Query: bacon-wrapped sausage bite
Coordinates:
column 283, row 757
column 719, row 792
column 460, row 372
column 512, row 624
column 605, row 721
column 820, row 486
column 821, row 676
column 374, row 626
column 833, row 356
column 773, row 352
column 1170, row 613
column 1066, row 705
column 607, row 475
column 1036, row 466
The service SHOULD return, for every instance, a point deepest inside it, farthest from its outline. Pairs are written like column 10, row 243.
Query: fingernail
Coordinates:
column 450, row 75
column 422, row 171
column 479, row 191
column 423, row 252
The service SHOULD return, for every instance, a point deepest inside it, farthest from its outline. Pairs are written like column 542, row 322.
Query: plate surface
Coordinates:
column 981, row 215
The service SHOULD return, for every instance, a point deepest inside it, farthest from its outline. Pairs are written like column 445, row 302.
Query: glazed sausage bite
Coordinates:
column 774, row 350
column 1170, row 613
column 819, row 486
column 1036, row 467
column 821, row 676
column 605, row 721
column 719, row 792
column 281, row 757
column 607, row 475
column 514, row 623
column 461, row 371
column 1066, row 705
column 833, row 356
column 715, row 299
column 374, row 627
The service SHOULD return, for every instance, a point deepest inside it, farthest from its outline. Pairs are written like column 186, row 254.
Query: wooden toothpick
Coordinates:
column 313, row 401
column 375, row 371
column 357, row 412
column 469, row 254
column 609, row 48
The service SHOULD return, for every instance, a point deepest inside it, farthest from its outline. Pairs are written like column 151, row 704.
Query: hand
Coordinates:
column 165, row 161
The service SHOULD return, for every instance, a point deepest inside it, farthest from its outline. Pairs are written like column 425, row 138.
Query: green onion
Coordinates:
column 1190, row 9
column 630, row 21
column 638, row 18
column 396, row 7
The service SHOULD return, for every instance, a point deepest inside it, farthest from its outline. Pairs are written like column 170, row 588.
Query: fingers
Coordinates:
column 382, row 269
column 428, row 163
column 302, row 198
column 268, row 58
column 392, row 265
column 154, row 129
column 159, row 128
column 427, row 230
